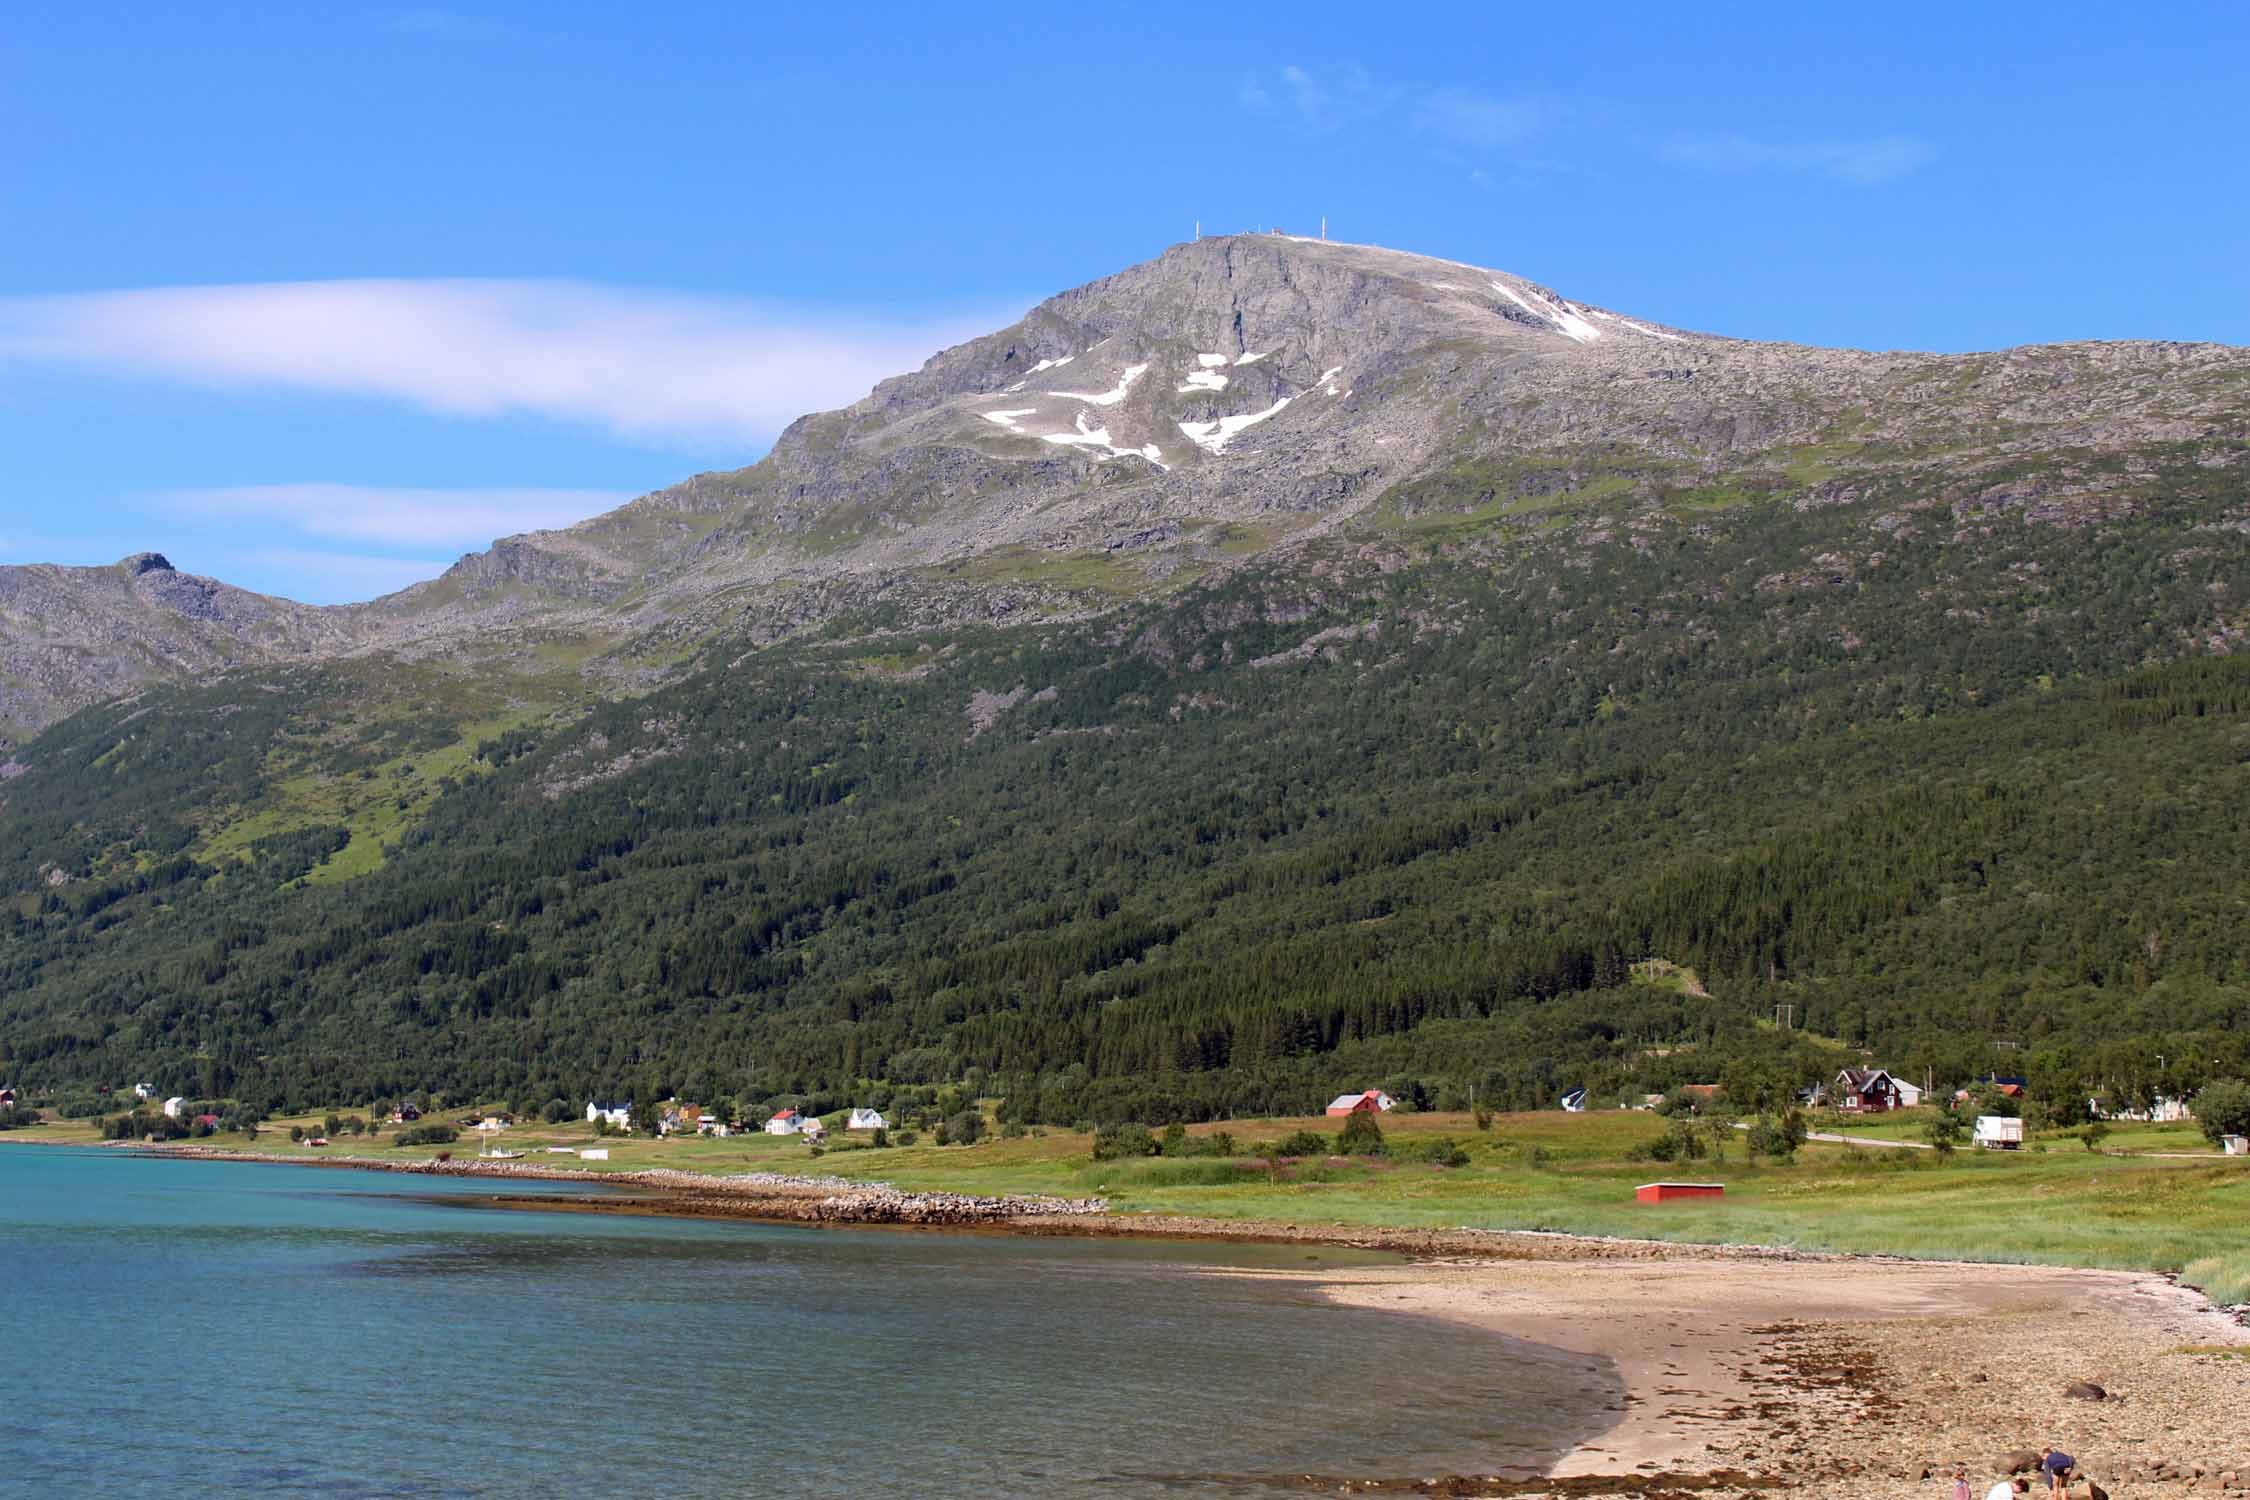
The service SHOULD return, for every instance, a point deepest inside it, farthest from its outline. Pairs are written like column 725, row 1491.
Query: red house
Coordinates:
column 1869, row 1091
column 1668, row 1192
column 1373, row 1101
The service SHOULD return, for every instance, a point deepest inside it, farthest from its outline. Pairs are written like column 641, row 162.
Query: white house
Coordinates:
column 712, row 1125
column 866, row 1119
column 2235, row 1145
column 812, row 1130
column 1999, row 1132
column 788, row 1122
column 1909, row 1094
column 143, row 1091
column 619, row 1115
column 174, row 1105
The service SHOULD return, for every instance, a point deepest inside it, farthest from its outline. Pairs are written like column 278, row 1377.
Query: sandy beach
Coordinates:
column 1854, row 1378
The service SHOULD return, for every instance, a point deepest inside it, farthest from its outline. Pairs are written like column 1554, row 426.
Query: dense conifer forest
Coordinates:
column 1419, row 818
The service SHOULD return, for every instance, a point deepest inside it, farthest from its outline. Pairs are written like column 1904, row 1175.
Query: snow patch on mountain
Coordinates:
column 1213, row 437
column 1109, row 397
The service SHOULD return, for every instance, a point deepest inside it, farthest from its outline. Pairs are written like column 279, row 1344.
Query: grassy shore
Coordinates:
column 2054, row 1202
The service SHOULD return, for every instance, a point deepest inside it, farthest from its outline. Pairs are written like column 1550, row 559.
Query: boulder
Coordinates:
column 2021, row 1461
column 2085, row 1390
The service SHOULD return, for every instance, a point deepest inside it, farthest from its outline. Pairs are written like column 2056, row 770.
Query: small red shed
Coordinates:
column 1668, row 1192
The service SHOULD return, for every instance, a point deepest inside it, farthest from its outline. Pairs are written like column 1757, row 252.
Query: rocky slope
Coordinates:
column 73, row 636
column 1232, row 398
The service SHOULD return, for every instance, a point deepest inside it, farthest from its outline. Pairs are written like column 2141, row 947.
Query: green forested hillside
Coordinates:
column 1403, row 813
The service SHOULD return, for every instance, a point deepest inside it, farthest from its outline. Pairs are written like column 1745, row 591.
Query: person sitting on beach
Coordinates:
column 2056, row 1466
column 2008, row 1489
column 1961, row 1483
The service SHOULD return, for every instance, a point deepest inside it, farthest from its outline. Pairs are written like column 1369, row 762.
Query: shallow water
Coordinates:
column 301, row 1331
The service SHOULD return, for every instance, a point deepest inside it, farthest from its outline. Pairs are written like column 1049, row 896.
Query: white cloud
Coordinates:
column 1477, row 120
column 378, row 515
column 642, row 364
column 1865, row 162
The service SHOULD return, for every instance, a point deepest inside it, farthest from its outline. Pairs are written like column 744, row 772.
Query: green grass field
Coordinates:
column 2053, row 1203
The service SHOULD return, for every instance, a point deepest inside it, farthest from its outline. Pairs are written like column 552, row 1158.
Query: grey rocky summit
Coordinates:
column 1251, row 396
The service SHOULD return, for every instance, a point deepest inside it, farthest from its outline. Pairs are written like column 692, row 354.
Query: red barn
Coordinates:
column 1667, row 1192
column 1373, row 1101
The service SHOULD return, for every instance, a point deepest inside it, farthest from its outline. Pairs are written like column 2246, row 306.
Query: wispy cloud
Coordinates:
column 391, row 517
column 645, row 365
column 1318, row 105
column 1864, row 162
column 1478, row 121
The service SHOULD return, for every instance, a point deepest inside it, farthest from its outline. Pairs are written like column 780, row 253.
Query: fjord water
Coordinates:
column 300, row 1331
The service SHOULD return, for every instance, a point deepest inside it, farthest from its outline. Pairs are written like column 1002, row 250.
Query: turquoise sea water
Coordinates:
column 199, row 1328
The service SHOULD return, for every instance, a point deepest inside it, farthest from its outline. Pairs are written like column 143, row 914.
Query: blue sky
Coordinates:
column 315, row 298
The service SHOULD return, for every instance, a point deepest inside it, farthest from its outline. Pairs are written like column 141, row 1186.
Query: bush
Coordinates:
column 966, row 1128
column 1777, row 1135
column 881, row 1138
column 1361, row 1136
column 427, row 1135
column 15, row 1117
column 1300, row 1143
column 2223, row 1109
column 1943, row 1132
column 1217, row 1143
column 904, row 1138
column 1444, row 1151
column 2091, row 1134
column 555, row 1111
column 1114, row 1141
column 1175, row 1142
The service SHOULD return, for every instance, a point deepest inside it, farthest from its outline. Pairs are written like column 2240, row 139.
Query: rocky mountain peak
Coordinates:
column 146, row 562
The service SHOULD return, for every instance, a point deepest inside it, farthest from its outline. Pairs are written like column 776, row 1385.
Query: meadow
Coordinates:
column 2055, row 1202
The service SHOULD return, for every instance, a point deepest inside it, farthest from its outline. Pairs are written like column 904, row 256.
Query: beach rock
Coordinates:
column 2021, row 1461
column 2095, row 1491
column 2085, row 1390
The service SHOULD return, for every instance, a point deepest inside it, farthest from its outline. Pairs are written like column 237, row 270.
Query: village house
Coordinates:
column 786, row 1122
column 405, row 1114
column 144, row 1091
column 812, row 1130
column 7, row 1098
column 1369, row 1102
column 173, row 1106
column 1867, row 1091
column 618, row 1115
column 866, row 1119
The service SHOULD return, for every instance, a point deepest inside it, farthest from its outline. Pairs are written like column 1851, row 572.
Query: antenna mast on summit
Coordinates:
column 1199, row 229
column 1324, row 226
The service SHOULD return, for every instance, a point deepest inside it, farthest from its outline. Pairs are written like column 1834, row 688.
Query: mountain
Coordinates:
column 1232, row 398
column 1278, row 665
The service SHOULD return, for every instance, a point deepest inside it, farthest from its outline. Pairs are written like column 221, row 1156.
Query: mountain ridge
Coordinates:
column 1229, row 398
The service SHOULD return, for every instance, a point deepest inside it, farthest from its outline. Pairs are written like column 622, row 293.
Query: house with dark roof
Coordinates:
column 1866, row 1091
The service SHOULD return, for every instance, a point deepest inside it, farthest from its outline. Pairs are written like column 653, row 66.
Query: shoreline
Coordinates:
column 1744, row 1369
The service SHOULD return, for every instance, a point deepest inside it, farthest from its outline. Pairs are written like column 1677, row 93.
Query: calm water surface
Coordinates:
column 229, row 1329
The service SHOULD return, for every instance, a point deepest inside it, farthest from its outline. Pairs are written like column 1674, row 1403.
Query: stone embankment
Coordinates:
column 748, row 1195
